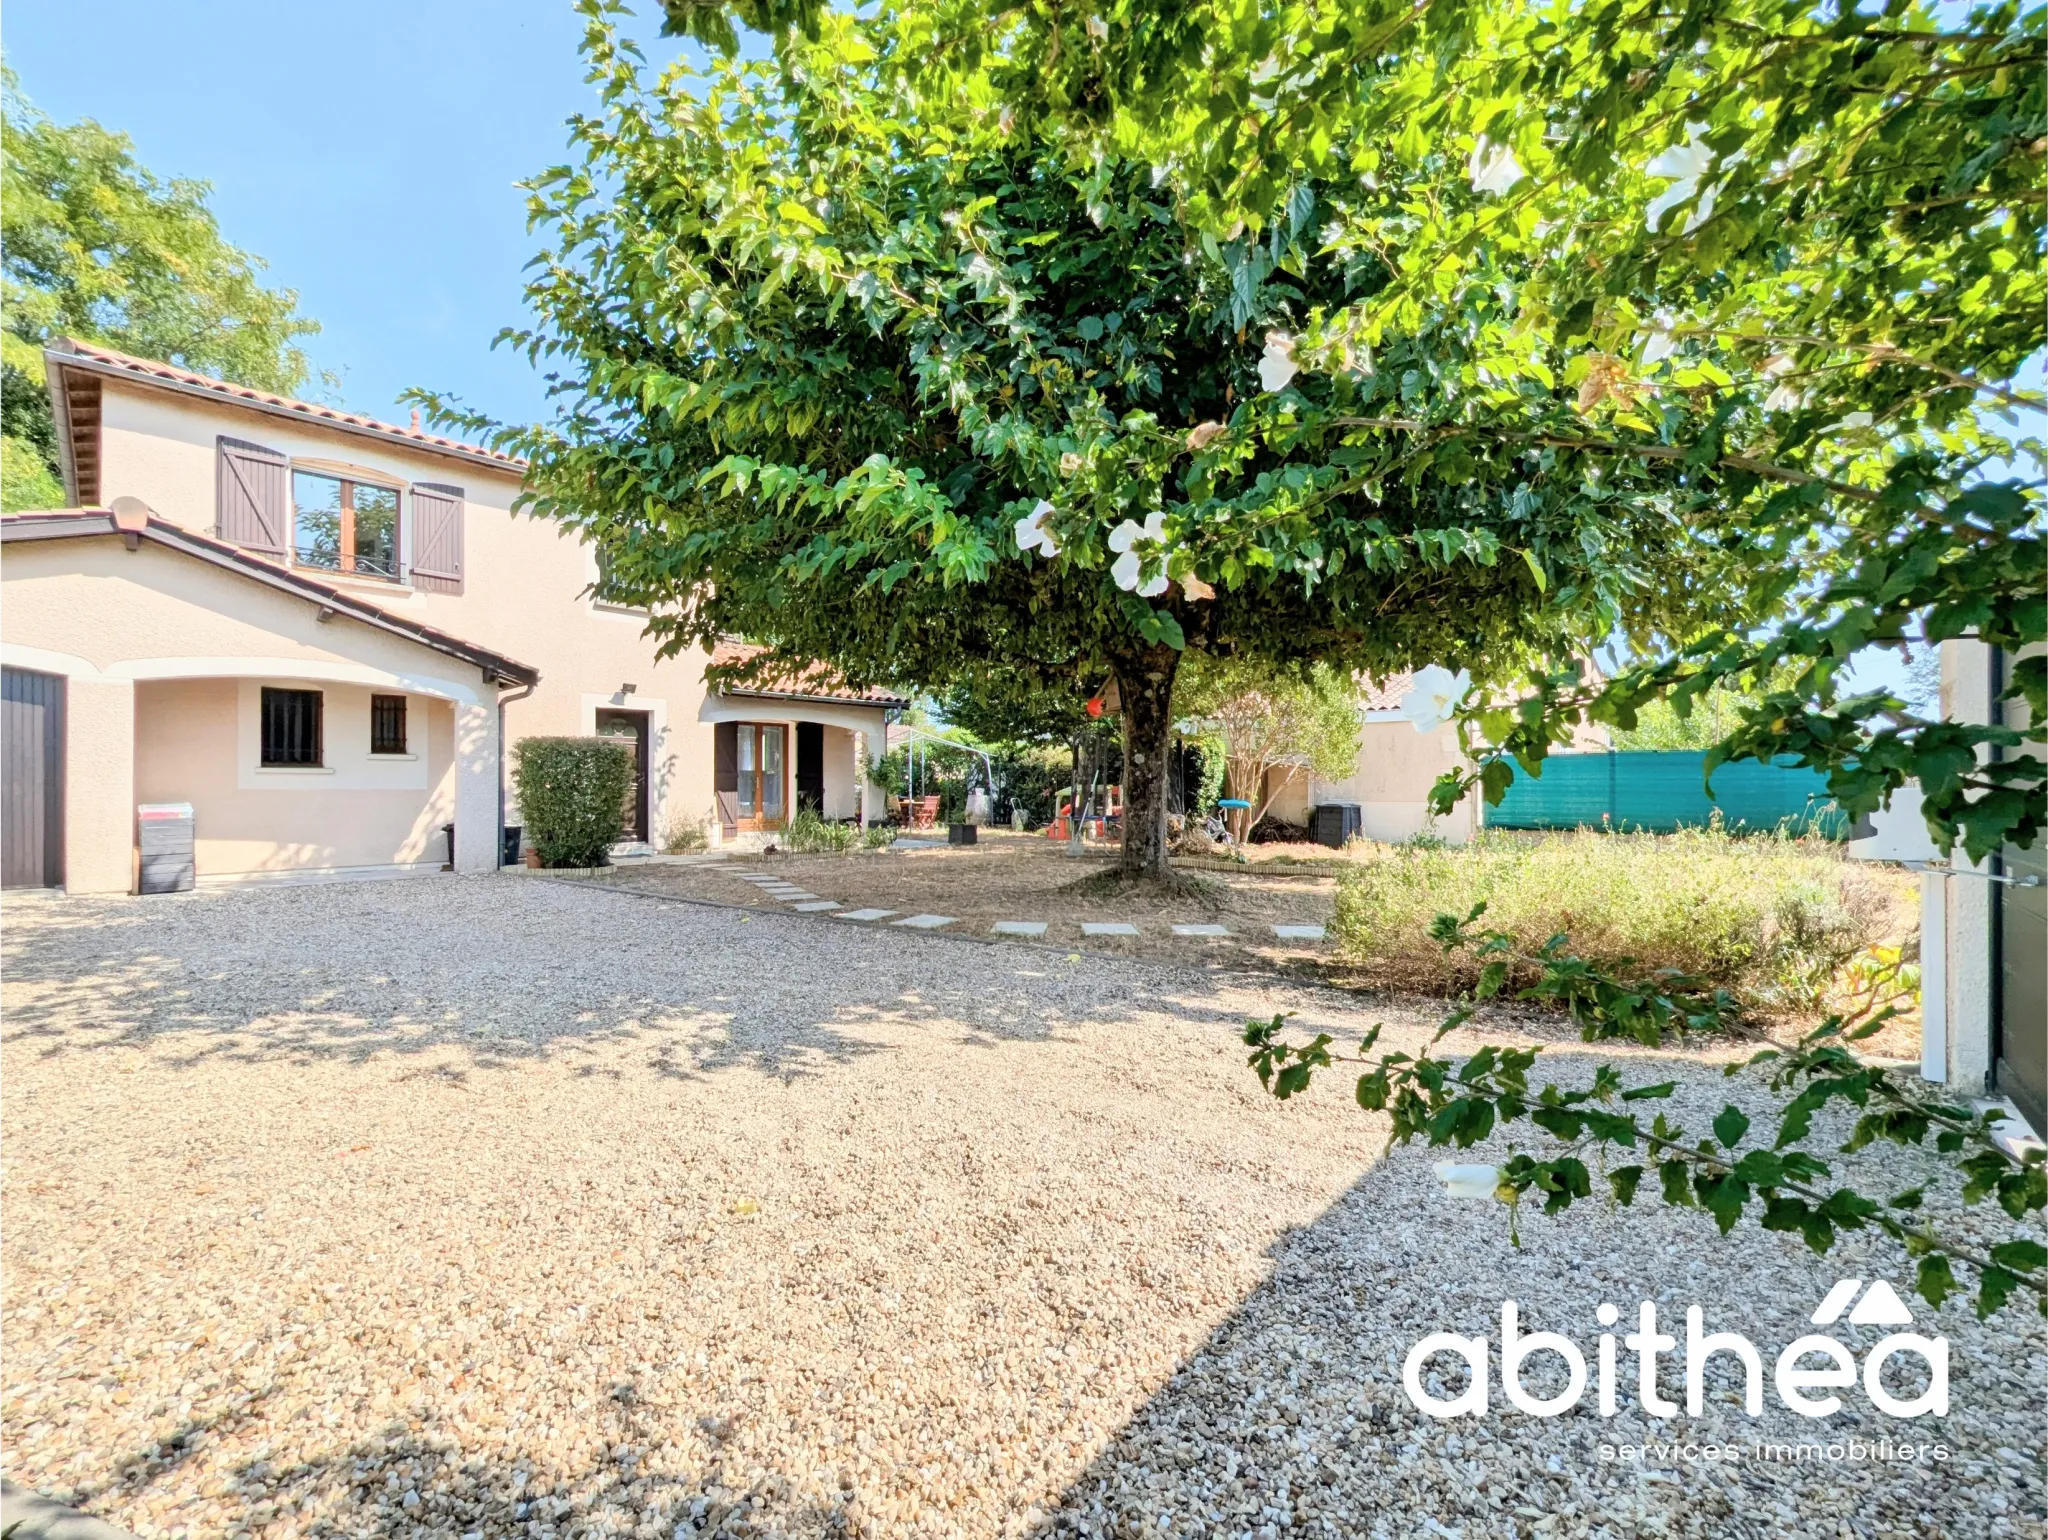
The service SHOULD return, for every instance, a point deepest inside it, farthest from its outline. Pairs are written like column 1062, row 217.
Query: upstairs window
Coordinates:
column 345, row 526
column 387, row 724
column 291, row 729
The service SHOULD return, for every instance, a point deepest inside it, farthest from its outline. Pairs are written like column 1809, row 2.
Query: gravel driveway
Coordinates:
column 502, row 1207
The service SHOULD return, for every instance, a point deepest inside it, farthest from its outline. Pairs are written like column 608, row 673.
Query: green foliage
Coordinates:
column 1707, row 721
column 93, row 246
column 1256, row 719
column 810, row 835
column 26, row 480
column 684, row 835
column 1772, row 921
column 572, row 796
column 878, row 836
column 1796, row 251
column 827, row 340
column 1450, row 1101
column 97, row 247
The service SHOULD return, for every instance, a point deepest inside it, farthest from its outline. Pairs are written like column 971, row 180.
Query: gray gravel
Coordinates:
column 504, row 1207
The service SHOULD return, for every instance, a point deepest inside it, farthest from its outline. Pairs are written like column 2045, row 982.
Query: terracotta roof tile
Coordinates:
column 809, row 681
column 1385, row 696
column 70, row 350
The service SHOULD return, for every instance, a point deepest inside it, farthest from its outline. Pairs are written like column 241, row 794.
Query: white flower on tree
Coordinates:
column 1462, row 1181
column 1433, row 697
column 1684, row 164
column 1784, row 397
column 1276, row 364
column 1662, row 343
column 1127, row 567
column 1493, row 167
column 1032, row 535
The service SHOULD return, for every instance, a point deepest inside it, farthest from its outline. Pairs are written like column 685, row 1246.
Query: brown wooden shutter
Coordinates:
column 725, row 774
column 437, row 537
column 253, row 505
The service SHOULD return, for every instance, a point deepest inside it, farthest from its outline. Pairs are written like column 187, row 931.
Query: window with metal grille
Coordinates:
column 387, row 724
column 291, row 727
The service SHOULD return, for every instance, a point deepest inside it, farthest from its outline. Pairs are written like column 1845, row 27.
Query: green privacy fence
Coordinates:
column 1663, row 791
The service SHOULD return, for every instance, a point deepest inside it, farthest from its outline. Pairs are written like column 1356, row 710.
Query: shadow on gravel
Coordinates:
column 507, row 971
column 407, row 1482
column 1291, row 1418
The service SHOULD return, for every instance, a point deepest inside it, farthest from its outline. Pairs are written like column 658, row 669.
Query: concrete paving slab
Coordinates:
column 925, row 921
column 1018, row 928
column 816, row 906
column 1107, row 928
column 866, row 914
column 1299, row 932
column 1201, row 930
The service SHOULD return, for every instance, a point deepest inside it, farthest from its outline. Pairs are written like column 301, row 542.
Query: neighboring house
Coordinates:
column 1397, row 765
column 323, row 631
column 1390, row 785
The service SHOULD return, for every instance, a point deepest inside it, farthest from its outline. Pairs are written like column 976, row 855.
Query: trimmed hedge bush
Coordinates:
column 572, row 796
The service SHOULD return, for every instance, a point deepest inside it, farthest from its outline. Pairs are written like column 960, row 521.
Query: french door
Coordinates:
column 761, row 758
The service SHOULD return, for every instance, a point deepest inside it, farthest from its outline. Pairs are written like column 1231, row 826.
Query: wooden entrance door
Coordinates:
column 630, row 728
column 32, row 785
column 762, row 755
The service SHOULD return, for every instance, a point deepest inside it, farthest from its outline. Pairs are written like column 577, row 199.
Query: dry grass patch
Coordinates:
column 1773, row 920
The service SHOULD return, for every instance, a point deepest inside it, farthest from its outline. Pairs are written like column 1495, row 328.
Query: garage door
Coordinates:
column 31, row 780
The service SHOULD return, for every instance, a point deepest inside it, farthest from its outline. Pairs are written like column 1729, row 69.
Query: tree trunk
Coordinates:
column 1145, row 681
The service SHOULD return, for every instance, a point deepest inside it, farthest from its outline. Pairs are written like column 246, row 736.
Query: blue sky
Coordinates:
column 367, row 152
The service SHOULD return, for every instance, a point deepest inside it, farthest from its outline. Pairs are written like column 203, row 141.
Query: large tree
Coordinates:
column 886, row 378
column 1796, row 250
column 93, row 245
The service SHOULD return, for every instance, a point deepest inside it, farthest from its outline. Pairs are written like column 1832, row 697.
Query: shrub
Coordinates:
column 1771, row 919
column 879, row 836
column 683, row 835
column 810, row 835
column 572, row 796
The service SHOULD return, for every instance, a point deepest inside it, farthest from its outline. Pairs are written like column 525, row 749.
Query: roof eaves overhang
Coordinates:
column 86, row 524
column 58, row 361
column 879, row 702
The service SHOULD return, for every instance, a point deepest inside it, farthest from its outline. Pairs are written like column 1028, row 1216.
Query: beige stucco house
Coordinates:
column 1390, row 783
column 323, row 632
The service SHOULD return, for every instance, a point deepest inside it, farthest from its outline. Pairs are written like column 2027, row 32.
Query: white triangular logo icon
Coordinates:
column 1830, row 1309
column 1881, row 1307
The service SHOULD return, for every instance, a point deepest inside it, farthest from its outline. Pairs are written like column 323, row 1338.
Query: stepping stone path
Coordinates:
column 804, row 902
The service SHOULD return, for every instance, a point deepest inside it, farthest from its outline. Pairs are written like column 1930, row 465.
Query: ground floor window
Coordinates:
column 387, row 724
column 291, row 727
